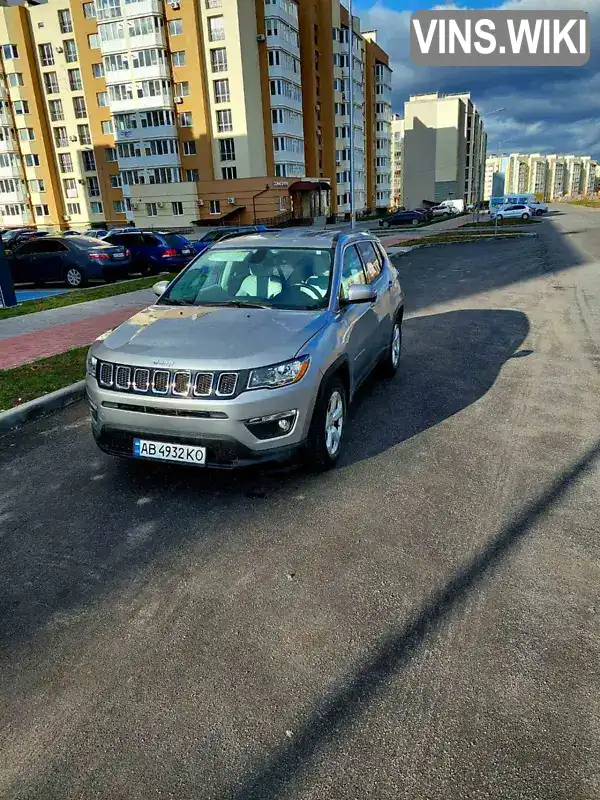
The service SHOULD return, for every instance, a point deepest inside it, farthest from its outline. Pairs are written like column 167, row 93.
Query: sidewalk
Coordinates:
column 47, row 333
column 422, row 233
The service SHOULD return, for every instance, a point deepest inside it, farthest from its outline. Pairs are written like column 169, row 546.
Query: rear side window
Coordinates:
column 352, row 270
column 370, row 260
column 149, row 240
column 173, row 240
column 50, row 246
column 211, row 236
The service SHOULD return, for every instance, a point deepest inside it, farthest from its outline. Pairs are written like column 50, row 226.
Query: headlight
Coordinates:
column 279, row 374
column 90, row 364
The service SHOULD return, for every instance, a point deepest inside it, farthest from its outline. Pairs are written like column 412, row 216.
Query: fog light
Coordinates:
column 272, row 425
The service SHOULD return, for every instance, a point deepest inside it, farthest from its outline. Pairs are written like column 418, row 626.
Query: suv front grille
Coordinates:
column 167, row 383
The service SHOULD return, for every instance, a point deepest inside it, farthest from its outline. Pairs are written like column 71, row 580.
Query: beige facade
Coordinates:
column 547, row 176
column 116, row 111
column 443, row 151
column 396, row 156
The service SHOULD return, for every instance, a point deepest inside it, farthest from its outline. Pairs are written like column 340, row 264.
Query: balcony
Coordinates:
column 141, row 8
column 9, row 146
column 281, row 43
column 5, row 119
column 141, row 161
column 138, row 73
column 12, row 171
column 18, row 220
column 136, row 103
column 288, row 128
column 18, row 196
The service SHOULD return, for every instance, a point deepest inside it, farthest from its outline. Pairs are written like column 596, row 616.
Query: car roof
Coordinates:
column 315, row 240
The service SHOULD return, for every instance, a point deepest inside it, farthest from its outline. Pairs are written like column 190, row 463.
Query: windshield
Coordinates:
column 174, row 240
column 273, row 277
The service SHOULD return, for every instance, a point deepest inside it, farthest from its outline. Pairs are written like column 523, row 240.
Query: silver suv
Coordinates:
column 252, row 353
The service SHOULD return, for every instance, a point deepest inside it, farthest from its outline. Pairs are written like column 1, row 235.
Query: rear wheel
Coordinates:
column 415, row 222
column 385, row 224
column 524, row 216
column 75, row 277
column 325, row 437
column 499, row 217
column 539, row 212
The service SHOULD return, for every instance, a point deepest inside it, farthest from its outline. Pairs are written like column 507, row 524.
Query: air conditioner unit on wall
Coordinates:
column 231, row 200
column 134, row 206
column 73, row 138
column 178, row 99
column 174, row 5
column 58, row 49
column 261, row 37
column 200, row 201
column 160, row 205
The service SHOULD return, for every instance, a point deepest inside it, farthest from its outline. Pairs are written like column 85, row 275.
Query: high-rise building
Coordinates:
column 167, row 113
column 397, row 145
column 444, row 149
column 548, row 176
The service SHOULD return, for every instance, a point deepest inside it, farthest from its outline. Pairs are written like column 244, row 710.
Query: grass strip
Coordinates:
column 506, row 223
column 20, row 384
column 456, row 238
column 81, row 296
column 587, row 203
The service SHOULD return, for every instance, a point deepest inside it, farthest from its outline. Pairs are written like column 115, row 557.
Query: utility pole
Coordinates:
column 351, row 99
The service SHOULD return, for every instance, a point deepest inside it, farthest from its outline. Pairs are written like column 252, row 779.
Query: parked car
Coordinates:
column 403, row 218
column 72, row 259
column 153, row 252
column 96, row 233
column 518, row 211
column 20, row 236
column 427, row 212
column 71, row 233
column 444, row 210
column 273, row 336
column 226, row 230
column 537, row 207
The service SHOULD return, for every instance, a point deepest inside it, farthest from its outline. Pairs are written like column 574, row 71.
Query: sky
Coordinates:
column 549, row 110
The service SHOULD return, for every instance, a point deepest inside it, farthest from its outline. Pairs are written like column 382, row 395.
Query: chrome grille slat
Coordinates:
column 141, row 380
column 161, row 381
column 182, row 382
column 105, row 374
column 203, row 384
column 227, row 384
column 123, row 378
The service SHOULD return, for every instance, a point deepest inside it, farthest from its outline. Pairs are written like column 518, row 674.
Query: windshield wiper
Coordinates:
column 237, row 304
column 169, row 301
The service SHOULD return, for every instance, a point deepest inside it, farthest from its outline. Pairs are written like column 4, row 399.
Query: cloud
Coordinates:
column 549, row 110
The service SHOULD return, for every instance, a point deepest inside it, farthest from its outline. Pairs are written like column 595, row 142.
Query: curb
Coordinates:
column 18, row 416
column 395, row 251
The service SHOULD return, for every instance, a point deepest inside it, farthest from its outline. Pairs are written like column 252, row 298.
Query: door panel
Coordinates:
column 379, row 279
column 360, row 321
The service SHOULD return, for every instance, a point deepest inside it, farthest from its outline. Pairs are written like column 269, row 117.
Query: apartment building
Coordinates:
column 169, row 113
column 548, row 176
column 397, row 147
column 444, row 149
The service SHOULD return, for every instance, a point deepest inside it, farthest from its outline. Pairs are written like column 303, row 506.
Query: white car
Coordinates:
column 538, row 208
column 512, row 212
column 443, row 211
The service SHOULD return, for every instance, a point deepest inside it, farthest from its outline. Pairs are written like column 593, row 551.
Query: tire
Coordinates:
column 499, row 217
column 150, row 269
column 414, row 222
column 524, row 216
column 385, row 224
column 539, row 212
column 320, row 452
column 75, row 278
column 391, row 361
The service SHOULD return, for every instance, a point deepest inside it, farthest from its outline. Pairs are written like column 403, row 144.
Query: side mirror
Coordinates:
column 160, row 287
column 360, row 293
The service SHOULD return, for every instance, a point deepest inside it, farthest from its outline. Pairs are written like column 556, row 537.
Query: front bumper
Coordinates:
column 218, row 425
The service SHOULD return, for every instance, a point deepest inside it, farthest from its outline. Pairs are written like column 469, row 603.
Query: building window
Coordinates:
column 61, row 137
column 65, row 162
column 218, row 59
column 70, row 50
column 107, row 126
column 31, row 160
column 118, row 206
column 108, row 9
column 93, row 41
column 229, row 173
column 73, row 209
column 96, row 208
column 65, row 21
column 36, row 185
column 151, row 210
column 98, row 70
column 26, row 134
column 189, row 148
column 110, row 153
column 224, row 121
column 177, row 208
column 89, row 162
column 102, row 99
column 115, row 181
column 21, row 107
column 10, row 51
column 216, row 29
column 89, row 11
column 182, row 89
column 75, row 82
column 214, row 3
column 79, row 107
column 51, row 83
column 56, row 110
column 178, row 58
column 227, row 149
column 83, row 132
column 93, row 187
column 221, row 89
column 70, row 187
column 42, row 211
column 215, row 206
column 15, row 79
column 185, row 119
column 175, row 27
column 192, row 175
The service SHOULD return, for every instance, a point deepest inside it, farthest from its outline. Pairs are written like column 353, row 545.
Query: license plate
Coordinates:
column 163, row 451
column 118, row 255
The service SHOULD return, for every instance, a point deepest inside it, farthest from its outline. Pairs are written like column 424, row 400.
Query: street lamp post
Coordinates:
column 351, row 100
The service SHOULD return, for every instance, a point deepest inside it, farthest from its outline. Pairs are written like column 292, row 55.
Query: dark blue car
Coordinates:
column 153, row 252
column 226, row 230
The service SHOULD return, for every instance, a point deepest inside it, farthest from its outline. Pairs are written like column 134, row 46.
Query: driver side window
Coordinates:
column 352, row 271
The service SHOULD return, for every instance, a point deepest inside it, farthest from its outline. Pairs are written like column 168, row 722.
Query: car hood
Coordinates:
column 210, row 338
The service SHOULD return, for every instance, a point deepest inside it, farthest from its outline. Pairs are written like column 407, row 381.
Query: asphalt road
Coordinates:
column 419, row 624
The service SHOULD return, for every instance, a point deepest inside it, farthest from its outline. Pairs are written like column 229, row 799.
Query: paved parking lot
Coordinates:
column 419, row 624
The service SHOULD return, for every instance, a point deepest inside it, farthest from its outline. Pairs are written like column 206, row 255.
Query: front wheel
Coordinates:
column 539, row 212
column 499, row 217
column 391, row 361
column 325, row 437
column 524, row 216
column 415, row 222
column 75, row 278
column 385, row 224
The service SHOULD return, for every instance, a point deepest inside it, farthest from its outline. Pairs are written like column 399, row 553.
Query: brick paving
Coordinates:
column 50, row 341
